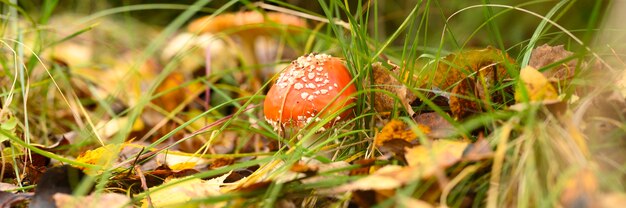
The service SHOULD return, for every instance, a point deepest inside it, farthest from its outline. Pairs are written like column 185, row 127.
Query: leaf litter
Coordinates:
column 425, row 146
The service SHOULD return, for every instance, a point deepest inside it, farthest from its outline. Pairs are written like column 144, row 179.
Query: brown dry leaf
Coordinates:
column 13, row 199
column 463, row 99
column 439, row 126
column 397, row 129
column 176, row 93
column 488, row 63
column 384, row 80
column 478, row 150
column 470, row 76
column 545, row 55
column 581, row 190
column 180, row 192
column 106, row 200
column 536, row 86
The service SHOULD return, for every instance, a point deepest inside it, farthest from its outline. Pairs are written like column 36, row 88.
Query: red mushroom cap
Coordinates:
column 305, row 88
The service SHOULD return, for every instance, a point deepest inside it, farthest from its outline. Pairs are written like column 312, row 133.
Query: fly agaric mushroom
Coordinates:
column 310, row 89
column 247, row 27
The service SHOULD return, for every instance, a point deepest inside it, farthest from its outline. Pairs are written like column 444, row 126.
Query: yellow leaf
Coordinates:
column 536, row 86
column 397, row 129
column 99, row 156
column 441, row 153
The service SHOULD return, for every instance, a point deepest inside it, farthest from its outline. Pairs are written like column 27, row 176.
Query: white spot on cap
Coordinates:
column 298, row 86
column 304, row 95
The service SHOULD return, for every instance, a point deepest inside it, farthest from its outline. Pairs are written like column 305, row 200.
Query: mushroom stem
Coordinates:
column 248, row 54
column 305, row 143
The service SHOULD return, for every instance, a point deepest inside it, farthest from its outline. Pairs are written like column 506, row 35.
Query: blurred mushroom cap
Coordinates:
column 270, row 21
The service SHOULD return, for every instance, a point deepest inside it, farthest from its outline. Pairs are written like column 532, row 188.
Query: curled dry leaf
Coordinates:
column 464, row 100
column 106, row 200
column 384, row 80
column 489, row 63
column 471, row 76
column 545, row 55
column 535, row 85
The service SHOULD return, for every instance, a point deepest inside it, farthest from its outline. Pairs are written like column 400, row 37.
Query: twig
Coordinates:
column 144, row 185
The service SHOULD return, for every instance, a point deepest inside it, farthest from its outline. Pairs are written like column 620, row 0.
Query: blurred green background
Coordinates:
column 514, row 27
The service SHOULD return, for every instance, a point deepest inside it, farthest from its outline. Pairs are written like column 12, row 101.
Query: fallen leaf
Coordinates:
column 478, row 150
column 100, row 156
column 307, row 169
column 384, row 80
column 471, row 78
column 438, row 125
column 489, row 63
column 177, row 192
column 105, row 200
column 439, row 154
column 387, row 177
column 12, row 199
column 464, row 100
column 535, row 85
column 62, row 179
column 365, row 166
column 397, row 129
column 7, row 186
column 423, row 161
column 178, row 161
column 545, row 55
column 108, row 128
column 173, row 92
column 580, row 190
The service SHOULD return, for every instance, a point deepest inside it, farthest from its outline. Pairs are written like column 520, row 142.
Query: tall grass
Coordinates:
column 536, row 153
